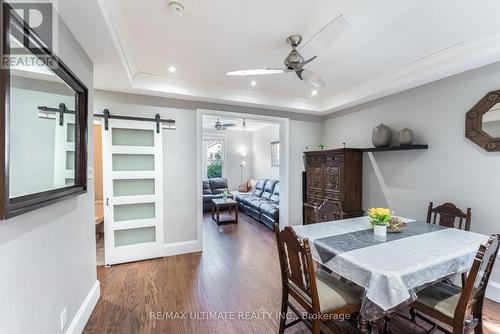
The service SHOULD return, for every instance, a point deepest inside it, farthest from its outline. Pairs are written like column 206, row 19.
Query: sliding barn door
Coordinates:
column 133, row 191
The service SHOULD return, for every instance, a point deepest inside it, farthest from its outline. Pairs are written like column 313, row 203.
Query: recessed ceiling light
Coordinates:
column 314, row 92
column 172, row 69
column 253, row 83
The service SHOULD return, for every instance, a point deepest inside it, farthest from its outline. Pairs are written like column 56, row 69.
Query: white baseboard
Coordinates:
column 183, row 247
column 493, row 291
column 82, row 316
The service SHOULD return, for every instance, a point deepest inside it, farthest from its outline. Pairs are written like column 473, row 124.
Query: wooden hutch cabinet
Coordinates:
column 334, row 175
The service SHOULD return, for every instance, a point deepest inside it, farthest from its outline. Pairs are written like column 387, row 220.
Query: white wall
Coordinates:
column 453, row 169
column 261, row 143
column 48, row 255
column 302, row 135
column 180, row 147
column 235, row 142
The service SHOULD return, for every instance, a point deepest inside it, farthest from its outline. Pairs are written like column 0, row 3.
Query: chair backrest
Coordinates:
column 218, row 185
column 328, row 211
column 258, row 190
column 297, row 267
column 477, row 280
column 449, row 215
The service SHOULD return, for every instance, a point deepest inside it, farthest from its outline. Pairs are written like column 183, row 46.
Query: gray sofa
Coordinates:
column 263, row 203
column 213, row 188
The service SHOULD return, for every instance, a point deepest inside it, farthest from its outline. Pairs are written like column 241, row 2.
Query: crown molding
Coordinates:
column 481, row 50
column 174, row 89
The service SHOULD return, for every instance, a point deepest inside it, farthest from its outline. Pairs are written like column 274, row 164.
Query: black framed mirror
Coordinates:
column 43, row 109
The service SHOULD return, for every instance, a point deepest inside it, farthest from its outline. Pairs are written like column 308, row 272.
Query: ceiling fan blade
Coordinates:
column 307, row 61
column 311, row 78
column 326, row 35
column 228, row 125
column 259, row 71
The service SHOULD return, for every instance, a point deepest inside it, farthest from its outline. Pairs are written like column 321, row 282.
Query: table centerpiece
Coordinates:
column 379, row 218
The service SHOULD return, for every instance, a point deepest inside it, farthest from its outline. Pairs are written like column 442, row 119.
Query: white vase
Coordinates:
column 380, row 231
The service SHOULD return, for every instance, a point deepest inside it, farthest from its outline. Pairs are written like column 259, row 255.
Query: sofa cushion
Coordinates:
column 268, row 189
column 275, row 197
column 257, row 202
column 206, row 188
column 218, row 185
column 247, row 200
column 253, row 202
column 259, row 188
column 239, row 197
column 270, row 209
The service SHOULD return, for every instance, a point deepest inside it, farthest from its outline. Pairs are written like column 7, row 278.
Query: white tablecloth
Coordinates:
column 392, row 271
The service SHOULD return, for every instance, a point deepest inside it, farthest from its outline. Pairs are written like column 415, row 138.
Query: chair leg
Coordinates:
column 316, row 329
column 387, row 320
column 413, row 314
column 284, row 310
column 363, row 325
column 479, row 316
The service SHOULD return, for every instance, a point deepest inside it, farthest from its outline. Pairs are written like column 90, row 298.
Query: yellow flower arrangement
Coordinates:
column 379, row 216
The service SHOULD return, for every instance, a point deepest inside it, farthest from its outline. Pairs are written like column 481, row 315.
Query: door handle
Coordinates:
column 107, row 201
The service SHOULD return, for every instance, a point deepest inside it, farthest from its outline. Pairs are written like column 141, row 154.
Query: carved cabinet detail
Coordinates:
column 336, row 176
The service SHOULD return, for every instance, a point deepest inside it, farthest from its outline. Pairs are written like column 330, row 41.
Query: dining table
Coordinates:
column 390, row 269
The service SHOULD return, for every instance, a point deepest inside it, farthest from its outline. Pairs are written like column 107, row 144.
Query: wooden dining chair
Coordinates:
column 449, row 215
column 461, row 309
column 327, row 211
column 320, row 294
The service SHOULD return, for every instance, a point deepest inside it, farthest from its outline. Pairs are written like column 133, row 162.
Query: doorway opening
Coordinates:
column 242, row 167
column 128, row 163
column 98, row 195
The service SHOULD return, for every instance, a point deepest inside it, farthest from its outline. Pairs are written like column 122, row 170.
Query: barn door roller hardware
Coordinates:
column 168, row 124
column 61, row 111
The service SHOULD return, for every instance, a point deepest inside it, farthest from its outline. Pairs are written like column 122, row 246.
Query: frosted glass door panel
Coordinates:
column 133, row 187
column 132, row 137
column 70, row 133
column 133, row 162
column 134, row 211
column 70, row 160
column 135, row 236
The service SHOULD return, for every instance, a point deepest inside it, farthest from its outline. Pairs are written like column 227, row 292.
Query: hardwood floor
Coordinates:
column 236, row 273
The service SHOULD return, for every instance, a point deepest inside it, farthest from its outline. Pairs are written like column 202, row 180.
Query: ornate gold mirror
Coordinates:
column 482, row 122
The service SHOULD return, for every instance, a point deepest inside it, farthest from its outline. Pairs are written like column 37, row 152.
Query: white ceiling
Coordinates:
column 389, row 46
column 251, row 125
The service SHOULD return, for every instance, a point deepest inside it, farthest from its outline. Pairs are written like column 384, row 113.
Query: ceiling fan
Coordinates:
column 219, row 126
column 295, row 62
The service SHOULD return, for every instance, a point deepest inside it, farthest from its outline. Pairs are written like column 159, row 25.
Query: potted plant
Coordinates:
column 321, row 146
column 379, row 218
column 225, row 194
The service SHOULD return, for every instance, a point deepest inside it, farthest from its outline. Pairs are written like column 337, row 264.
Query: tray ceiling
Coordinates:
column 389, row 46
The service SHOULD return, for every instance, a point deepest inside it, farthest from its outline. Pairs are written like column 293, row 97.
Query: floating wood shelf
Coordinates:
column 395, row 148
